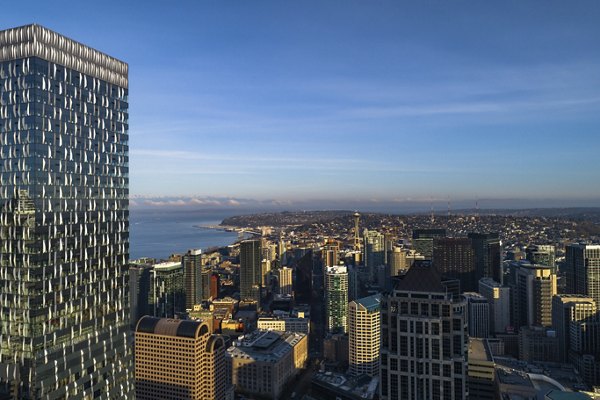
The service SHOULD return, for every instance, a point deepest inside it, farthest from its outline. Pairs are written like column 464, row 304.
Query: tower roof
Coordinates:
column 421, row 278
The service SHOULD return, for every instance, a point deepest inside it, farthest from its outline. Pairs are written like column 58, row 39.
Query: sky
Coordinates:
column 351, row 102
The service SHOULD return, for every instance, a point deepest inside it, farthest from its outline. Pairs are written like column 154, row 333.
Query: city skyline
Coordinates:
column 303, row 105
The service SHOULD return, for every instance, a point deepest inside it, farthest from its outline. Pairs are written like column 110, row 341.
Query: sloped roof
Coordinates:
column 421, row 278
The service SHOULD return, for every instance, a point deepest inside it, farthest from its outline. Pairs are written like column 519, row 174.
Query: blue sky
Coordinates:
column 366, row 101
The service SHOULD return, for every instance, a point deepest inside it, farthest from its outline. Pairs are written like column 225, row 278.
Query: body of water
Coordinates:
column 158, row 233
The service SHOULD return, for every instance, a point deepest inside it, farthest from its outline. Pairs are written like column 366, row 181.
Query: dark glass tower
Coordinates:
column 64, row 233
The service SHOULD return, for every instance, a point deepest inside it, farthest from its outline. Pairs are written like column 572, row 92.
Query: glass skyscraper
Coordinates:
column 64, row 234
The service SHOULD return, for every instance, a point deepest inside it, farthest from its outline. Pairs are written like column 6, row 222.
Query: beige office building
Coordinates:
column 364, row 321
column 178, row 359
column 262, row 362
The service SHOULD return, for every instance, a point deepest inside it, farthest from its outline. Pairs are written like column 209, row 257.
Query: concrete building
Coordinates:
column 534, row 287
column 538, row 343
column 336, row 299
column 543, row 254
column 64, row 218
column 330, row 254
column 498, row 297
column 178, row 359
column 284, row 281
column 454, row 258
column 582, row 264
column 374, row 252
column 364, row 333
column 284, row 324
column 478, row 312
column 424, row 340
column 567, row 308
column 481, row 370
column 263, row 362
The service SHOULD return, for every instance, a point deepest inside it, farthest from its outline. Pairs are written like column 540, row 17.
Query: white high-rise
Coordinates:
column 336, row 299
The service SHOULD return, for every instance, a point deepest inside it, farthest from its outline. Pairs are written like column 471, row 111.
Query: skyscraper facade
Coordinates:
column 487, row 252
column 178, row 359
column 374, row 252
column 567, row 308
column 424, row 340
column 336, row 299
column 422, row 240
column 454, row 258
column 364, row 321
column 251, row 276
column 64, row 219
column 582, row 262
column 192, row 265
column 535, row 286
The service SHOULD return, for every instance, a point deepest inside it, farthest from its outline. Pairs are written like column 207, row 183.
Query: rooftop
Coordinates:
column 37, row 41
column 171, row 327
column 421, row 278
column 371, row 303
column 267, row 346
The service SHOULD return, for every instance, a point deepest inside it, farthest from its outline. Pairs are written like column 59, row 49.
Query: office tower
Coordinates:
column 498, row 297
column 567, row 308
column 584, row 348
column 422, row 241
column 263, row 362
column 284, row 280
column 454, row 258
column 582, row 263
column 205, row 274
column 285, row 324
column 64, row 218
column 374, row 252
column 478, row 312
column 481, row 370
column 250, row 270
column 534, row 287
column 265, row 273
column 397, row 261
column 389, row 241
column 544, row 254
column 192, row 269
column 140, row 285
column 330, row 254
column 167, row 296
column 488, row 263
column 353, row 282
column 424, row 339
column 215, row 285
column 336, row 299
column 303, row 283
column 357, row 242
column 538, row 343
column 364, row 321
column 178, row 359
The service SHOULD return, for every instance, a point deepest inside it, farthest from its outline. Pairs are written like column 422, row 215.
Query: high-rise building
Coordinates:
column 534, row 287
column 64, row 218
column 498, row 297
column 167, row 295
column 251, row 275
column 582, row 263
column 330, row 254
column 488, row 263
column 263, row 362
column 336, row 299
column 140, row 285
column 303, row 284
column 422, row 240
column 454, row 258
column 178, row 359
column 424, row 339
column 567, row 308
column 284, row 280
column 205, row 274
column 364, row 321
column 192, row 269
column 478, row 312
column 544, row 254
column 374, row 252
column 215, row 285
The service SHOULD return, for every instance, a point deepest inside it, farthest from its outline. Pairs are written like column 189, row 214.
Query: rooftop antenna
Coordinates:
column 448, row 206
column 432, row 217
